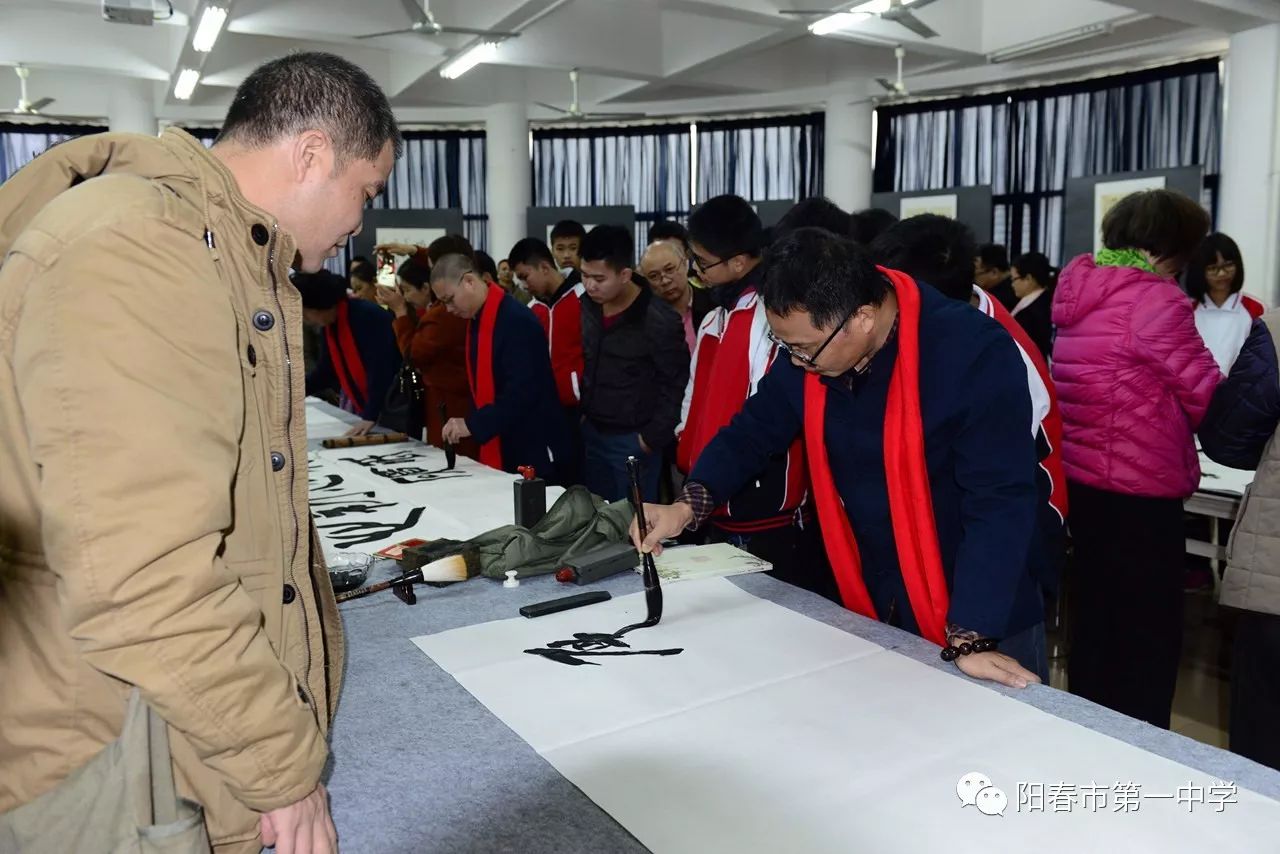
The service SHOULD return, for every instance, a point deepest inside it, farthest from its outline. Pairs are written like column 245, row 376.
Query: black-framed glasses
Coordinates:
column 703, row 266
column 805, row 358
column 1220, row 269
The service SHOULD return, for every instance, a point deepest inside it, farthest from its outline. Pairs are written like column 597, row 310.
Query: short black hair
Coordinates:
column 356, row 260
column 933, row 249
column 993, row 255
column 1037, row 266
column 818, row 212
column 485, row 262
column 668, row 229
column 866, row 225
column 567, row 228
column 313, row 91
column 450, row 244
column 455, row 265
column 320, row 290
column 363, row 269
column 611, row 244
column 827, row 275
column 1206, row 254
column 414, row 273
column 1164, row 223
column 727, row 226
column 531, row 251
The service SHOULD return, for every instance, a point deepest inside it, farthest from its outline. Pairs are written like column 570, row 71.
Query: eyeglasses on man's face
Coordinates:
column 804, row 358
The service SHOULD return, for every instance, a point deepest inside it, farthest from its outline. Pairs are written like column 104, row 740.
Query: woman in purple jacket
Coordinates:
column 1134, row 380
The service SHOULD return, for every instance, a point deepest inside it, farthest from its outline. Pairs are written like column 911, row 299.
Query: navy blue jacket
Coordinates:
column 526, row 413
column 1245, row 410
column 379, row 353
column 980, row 455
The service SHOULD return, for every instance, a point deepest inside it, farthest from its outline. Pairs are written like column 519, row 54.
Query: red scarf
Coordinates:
column 480, row 375
column 910, row 501
column 346, row 357
column 721, row 384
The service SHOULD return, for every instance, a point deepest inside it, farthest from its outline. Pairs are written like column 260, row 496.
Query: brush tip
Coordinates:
column 457, row 567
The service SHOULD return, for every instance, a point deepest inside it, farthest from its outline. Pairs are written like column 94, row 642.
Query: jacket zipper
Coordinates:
column 288, row 431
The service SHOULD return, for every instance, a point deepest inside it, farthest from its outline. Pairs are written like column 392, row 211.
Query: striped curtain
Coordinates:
column 1027, row 143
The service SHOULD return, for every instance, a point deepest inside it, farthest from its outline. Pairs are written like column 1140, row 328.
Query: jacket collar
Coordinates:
column 221, row 191
column 571, row 281
column 727, row 296
column 634, row 313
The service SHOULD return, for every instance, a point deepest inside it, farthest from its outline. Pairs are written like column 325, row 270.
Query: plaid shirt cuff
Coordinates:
column 699, row 498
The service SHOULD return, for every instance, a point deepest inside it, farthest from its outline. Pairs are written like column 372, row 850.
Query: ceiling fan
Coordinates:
column 896, row 88
column 27, row 107
column 575, row 113
column 900, row 12
column 425, row 24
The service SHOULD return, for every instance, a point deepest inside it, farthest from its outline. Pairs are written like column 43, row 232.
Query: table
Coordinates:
column 1219, row 496
column 419, row 765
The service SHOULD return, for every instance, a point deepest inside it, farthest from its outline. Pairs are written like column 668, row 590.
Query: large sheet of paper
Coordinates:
column 769, row 731
column 364, row 499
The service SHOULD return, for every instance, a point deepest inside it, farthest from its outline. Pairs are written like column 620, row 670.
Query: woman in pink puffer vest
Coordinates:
column 1134, row 379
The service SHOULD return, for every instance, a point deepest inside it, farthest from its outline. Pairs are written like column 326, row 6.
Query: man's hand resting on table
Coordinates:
column 665, row 521
column 996, row 667
column 304, row 827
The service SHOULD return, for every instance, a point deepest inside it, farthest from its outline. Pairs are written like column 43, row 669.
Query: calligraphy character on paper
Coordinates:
column 588, row 644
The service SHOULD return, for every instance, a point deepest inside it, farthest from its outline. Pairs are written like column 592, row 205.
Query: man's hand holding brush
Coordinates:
column 665, row 521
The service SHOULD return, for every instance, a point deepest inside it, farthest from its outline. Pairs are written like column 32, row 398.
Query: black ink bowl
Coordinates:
column 349, row 570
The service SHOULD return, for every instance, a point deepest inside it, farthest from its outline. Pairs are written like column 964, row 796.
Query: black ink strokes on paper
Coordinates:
column 590, row 645
column 346, row 535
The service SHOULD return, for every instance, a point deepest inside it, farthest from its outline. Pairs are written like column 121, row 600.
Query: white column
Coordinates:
column 847, row 161
column 510, row 171
column 1249, row 204
column 131, row 107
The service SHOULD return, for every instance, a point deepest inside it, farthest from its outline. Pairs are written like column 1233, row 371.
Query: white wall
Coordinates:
column 1249, row 209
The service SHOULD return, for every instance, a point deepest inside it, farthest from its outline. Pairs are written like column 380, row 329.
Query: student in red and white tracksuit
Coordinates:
column 771, row 516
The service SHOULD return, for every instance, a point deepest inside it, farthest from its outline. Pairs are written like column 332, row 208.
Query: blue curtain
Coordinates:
column 646, row 167
column 1027, row 143
column 20, row 143
column 761, row 159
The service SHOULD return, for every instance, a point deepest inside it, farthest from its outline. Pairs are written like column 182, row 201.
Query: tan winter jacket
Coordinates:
column 154, row 528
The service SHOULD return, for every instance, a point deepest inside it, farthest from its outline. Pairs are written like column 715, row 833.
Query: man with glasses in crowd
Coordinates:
column 517, row 420
column 665, row 267
column 914, row 411
column 767, row 514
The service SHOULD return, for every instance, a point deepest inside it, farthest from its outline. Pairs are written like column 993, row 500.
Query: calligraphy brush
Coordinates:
column 450, row 453
column 652, row 584
column 446, row 570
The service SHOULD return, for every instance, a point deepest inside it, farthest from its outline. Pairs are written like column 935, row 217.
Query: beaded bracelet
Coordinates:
column 951, row 653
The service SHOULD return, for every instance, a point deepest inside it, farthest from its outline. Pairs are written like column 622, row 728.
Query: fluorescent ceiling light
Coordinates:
column 210, row 26
column 855, row 14
column 469, row 59
column 187, row 80
column 837, row 22
column 1049, row 42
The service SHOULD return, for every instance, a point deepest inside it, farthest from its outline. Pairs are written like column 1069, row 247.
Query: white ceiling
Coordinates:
column 660, row 57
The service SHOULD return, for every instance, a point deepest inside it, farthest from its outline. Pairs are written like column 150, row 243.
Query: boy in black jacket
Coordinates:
column 637, row 365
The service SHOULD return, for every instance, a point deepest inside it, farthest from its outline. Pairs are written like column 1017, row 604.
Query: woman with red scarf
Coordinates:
column 914, row 410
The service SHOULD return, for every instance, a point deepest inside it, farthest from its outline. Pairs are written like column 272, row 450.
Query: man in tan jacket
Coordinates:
column 154, row 528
